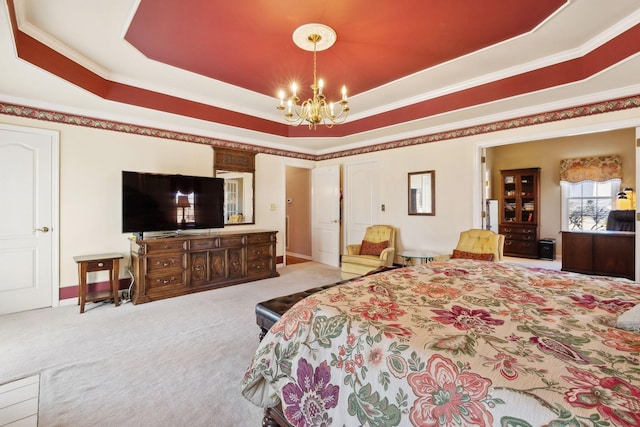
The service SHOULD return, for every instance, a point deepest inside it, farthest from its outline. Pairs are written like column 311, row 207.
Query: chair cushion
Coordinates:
column 481, row 242
column 359, row 260
column 471, row 255
column 373, row 248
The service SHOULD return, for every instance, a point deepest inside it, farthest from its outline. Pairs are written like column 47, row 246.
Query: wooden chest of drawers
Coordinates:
column 520, row 240
column 173, row 266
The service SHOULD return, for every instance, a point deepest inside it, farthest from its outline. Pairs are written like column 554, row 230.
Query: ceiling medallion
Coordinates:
column 315, row 110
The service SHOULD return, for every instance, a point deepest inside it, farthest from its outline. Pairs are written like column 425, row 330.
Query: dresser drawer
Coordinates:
column 169, row 280
column 259, row 267
column 199, row 245
column 166, row 246
column 166, row 262
column 232, row 241
column 518, row 230
column 259, row 251
column 523, row 237
column 521, row 247
column 260, row 238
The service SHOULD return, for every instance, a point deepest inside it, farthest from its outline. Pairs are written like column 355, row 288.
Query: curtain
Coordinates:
column 599, row 169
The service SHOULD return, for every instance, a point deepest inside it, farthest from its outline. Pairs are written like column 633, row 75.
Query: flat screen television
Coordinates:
column 170, row 203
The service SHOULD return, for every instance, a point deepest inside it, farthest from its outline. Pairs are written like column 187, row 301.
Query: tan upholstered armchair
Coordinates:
column 376, row 250
column 477, row 243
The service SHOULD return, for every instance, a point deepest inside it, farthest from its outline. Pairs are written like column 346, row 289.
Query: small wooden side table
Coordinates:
column 98, row 262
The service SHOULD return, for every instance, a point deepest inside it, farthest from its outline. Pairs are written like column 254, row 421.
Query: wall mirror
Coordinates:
column 237, row 168
column 422, row 193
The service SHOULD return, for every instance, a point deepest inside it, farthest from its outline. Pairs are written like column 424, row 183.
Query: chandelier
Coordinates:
column 315, row 110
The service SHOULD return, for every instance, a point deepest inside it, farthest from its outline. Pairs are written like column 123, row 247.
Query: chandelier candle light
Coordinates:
column 316, row 110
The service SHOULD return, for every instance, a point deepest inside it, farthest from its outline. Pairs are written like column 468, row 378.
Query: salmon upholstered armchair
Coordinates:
column 478, row 244
column 376, row 250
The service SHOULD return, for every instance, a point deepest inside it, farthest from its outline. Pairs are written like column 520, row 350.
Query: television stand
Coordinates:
column 166, row 267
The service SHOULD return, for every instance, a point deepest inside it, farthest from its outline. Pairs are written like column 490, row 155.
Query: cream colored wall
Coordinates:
column 546, row 154
column 454, row 192
column 91, row 162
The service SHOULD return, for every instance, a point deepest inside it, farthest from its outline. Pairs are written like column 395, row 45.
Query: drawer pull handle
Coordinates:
column 166, row 281
column 199, row 268
column 166, row 263
column 101, row 264
column 166, row 247
column 257, row 252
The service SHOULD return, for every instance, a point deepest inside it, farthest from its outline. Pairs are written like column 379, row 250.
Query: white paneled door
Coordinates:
column 326, row 215
column 28, row 219
column 361, row 199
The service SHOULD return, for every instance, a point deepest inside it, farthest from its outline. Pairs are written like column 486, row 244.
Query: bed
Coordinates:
column 455, row 343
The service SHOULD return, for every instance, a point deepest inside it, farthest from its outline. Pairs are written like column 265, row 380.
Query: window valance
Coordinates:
column 599, row 169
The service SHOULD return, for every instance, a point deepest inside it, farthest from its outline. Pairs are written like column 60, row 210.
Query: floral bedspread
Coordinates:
column 455, row 343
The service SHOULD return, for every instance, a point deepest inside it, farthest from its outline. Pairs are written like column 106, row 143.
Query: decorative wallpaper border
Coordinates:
column 536, row 119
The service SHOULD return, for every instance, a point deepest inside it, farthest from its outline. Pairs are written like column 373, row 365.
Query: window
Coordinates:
column 231, row 202
column 586, row 204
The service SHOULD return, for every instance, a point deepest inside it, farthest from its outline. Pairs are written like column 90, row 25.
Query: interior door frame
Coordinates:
column 293, row 164
column 316, row 238
column 605, row 125
column 54, row 137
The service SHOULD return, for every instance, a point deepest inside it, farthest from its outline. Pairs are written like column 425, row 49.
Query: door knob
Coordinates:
column 43, row 229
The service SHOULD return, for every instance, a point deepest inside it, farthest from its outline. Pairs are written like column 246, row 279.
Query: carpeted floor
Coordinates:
column 173, row 362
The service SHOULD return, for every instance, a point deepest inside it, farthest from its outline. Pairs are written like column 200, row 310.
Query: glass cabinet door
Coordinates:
column 509, row 213
column 527, row 198
column 520, row 197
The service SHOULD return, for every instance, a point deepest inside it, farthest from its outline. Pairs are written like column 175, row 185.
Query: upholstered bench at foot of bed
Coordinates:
column 269, row 312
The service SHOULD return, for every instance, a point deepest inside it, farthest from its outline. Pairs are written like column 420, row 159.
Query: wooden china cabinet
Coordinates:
column 519, row 211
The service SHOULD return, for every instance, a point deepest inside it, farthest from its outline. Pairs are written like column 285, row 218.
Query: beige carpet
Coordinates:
column 174, row 362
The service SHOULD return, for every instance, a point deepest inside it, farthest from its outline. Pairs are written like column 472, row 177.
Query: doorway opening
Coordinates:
column 298, row 215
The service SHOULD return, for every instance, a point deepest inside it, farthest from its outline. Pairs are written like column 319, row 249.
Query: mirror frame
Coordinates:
column 229, row 160
column 431, row 192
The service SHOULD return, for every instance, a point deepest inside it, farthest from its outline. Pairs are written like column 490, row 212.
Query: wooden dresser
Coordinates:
column 608, row 253
column 166, row 267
